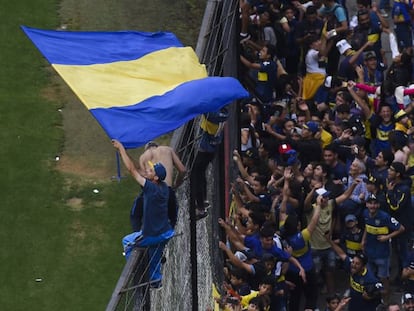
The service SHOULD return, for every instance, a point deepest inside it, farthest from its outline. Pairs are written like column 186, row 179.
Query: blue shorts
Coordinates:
column 381, row 267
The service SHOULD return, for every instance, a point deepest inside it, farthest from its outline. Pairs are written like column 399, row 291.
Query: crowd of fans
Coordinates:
column 323, row 200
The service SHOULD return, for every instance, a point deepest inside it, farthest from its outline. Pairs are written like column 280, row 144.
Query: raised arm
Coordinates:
column 360, row 102
column 234, row 260
column 337, row 249
column 128, row 162
column 315, row 217
column 348, row 192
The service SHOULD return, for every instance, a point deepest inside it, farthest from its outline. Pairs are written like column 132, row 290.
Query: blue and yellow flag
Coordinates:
column 138, row 85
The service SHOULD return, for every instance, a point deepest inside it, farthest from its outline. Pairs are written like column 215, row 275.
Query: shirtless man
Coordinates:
column 167, row 156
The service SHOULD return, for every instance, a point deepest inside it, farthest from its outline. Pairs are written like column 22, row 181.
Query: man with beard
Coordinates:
column 365, row 289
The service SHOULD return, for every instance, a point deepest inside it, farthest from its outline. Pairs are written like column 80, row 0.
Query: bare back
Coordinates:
column 167, row 156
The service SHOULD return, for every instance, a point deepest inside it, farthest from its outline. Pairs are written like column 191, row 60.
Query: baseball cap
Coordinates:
column 251, row 153
column 369, row 55
column 342, row 46
column 323, row 192
column 159, row 170
column 362, row 257
column 398, row 167
column 296, row 130
column 293, row 157
column 370, row 180
column 250, row 254
column 284, row 148
column 406, row 297
column 311, row 126
column 399, row 115
column 350, row 217
column 372, row 197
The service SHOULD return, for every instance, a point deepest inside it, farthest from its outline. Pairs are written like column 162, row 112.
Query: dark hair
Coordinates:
column 268, row 280
column 239, row 273
column 362, row 12
column 388, row 156
column 343, row 108
column 266, row 232
column 345, row 95
column 362, row 257
column 312, row 38
column 331, row 147
column 324, row 167
column 258, row 302
column 397, row 139
column 258, row 218
column 262, row 180
column 290, row 226
column 332, row 297
column 311, row 10
column 271, row 50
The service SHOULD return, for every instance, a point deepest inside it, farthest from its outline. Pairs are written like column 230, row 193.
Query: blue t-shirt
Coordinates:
column 254, row 244
column 380, row 224
column 155, row 217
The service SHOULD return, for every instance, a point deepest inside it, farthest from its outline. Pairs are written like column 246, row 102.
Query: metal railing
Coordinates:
column 217, row 48
column 132, row 290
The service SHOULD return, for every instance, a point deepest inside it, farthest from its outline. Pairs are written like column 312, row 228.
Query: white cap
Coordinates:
column 323, row 192
column 240, row 255
column 342, row 46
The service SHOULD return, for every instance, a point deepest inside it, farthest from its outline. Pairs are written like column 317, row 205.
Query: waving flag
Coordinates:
column 137, row 85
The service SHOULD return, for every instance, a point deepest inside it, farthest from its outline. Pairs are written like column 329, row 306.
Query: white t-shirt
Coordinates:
column 312, row 65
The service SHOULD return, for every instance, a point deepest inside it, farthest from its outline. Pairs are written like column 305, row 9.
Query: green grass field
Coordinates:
column 53, row 226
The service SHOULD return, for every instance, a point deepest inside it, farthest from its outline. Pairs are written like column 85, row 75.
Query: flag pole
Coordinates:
column 118, row 168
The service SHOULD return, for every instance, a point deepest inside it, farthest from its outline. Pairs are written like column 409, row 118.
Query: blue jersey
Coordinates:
column 266, row 78
column 155, row 217
column 380, row 224
column 301, row 250
column 380, row 131
column 358, row 284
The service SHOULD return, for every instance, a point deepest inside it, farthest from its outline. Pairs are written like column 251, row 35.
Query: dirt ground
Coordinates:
column 87, row 152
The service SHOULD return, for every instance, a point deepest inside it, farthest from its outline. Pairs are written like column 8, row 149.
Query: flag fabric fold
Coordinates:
column 138, row 85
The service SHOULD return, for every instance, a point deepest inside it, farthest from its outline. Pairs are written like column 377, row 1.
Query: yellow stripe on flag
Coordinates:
column 153, row 74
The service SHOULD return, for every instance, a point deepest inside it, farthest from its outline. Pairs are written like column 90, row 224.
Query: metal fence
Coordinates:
column 192, row 258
